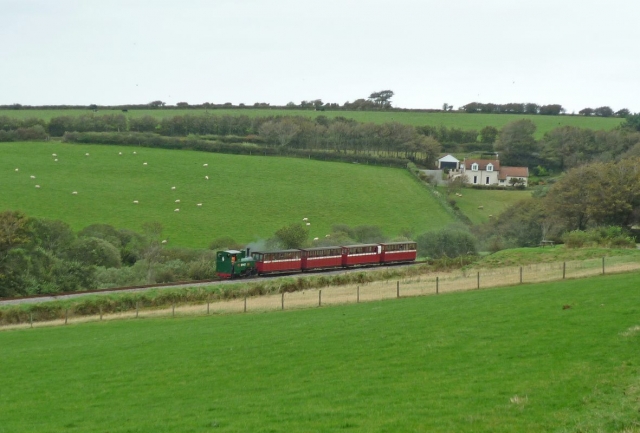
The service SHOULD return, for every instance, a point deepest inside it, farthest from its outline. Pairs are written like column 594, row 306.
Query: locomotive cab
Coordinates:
column 234, row 263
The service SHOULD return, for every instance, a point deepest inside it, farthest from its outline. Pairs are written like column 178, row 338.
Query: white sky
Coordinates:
column 578, row 53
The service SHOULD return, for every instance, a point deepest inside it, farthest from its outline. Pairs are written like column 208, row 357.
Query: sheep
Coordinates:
column 119, row 153
column 206, row 177
column 308, row 224
column 75, row 193
column 176, row 210
column 17, row 169
column 173, row 188
column 205, row 165
column 135, row 202
column 55, row 160
column 199, row 205
column 164, row 241
column 305, row 219
column 480, row 207
column 327, row 236
column 86, row 154
column 32, row 177
column 37, row 186
column 135, row 153
column 144, row 163
column 54, row 155
column 177, row 201
column 315, row 239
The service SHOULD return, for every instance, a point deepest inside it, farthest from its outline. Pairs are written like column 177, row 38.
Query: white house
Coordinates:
column 490, row 172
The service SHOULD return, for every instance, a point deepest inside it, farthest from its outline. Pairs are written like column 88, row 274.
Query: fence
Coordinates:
column 426, row 284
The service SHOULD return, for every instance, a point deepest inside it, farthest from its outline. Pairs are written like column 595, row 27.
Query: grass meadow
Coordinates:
column 496, row 360
column 493, row 202
column 457, row 120
column 245, row 197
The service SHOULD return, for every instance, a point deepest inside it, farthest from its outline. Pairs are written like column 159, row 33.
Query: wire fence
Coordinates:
column 421, row 285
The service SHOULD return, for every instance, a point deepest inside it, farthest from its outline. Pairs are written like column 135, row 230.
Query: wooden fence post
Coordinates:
column 320, row 298
column 208, row 305
column 173, row 310
column 564, row 269
column 100, row 312
column 437, row 284
column 245, row 304
column 478, row 279
column 66, row 316
column 358, row 294
column 520, row 274
column 31, row 319
column 282, row 301
column 397, row 289
column 603, row 266
column 136, row 309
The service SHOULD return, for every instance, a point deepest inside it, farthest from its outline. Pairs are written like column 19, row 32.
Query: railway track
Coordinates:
column 181, row 284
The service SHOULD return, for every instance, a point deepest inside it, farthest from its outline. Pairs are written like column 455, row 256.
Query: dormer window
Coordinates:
column 489, row 167
column 474, row 167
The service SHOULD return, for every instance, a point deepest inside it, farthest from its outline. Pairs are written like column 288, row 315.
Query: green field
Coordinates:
column 457, row 120
column 499, row 360
column 492, row 201
column 246, row 197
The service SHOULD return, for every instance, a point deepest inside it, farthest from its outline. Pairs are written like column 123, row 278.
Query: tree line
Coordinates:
column 559, row 149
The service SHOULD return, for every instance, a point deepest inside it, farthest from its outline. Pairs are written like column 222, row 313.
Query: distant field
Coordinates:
column 498, row 360
column 458, row 120
column 246, row 197
column 492, row 201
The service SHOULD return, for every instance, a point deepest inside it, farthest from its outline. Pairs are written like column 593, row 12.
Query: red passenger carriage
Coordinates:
column 398, row 252
column 321, row 258
column 361, row 254
column 278, row 261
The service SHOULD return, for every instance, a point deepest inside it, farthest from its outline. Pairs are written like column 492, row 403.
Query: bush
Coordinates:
column 450, row 242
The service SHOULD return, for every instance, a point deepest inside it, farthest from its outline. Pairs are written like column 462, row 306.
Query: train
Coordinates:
column 241, row 263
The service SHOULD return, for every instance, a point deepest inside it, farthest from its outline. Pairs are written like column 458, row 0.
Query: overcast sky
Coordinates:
column 578, row 53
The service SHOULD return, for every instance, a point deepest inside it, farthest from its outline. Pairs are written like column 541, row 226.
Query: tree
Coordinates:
column 586, row 112
column 52, row 235
column 94, row 251
column 516, row 143
column 603, row 112
column 292, row 236
column 632, row 122
column 281, row 131
column 382, row 99
column 488, row 134
column 597, row 194
column 182, row 104
column 624, row 112
column 551, row 110
column 156, row 104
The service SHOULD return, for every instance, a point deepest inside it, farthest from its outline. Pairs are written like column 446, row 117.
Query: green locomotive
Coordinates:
column 234, row 263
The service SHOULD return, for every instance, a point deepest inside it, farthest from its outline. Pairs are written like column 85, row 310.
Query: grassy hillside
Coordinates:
column 492, row 201
column 499, row 360
column 245, row 197
column 458, row 120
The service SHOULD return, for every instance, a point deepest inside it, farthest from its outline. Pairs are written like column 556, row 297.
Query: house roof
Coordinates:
column 513, row 172
column 482, row 164
column 449, row 158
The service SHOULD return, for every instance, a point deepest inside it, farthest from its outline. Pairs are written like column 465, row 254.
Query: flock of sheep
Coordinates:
column 173, row 188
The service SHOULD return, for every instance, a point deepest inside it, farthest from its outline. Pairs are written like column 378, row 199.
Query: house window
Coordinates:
column 489, row 167
column 487, row 181
column 475, row 180
column 474, row 167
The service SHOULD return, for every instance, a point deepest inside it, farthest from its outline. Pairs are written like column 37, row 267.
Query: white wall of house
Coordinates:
column 480, row 177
